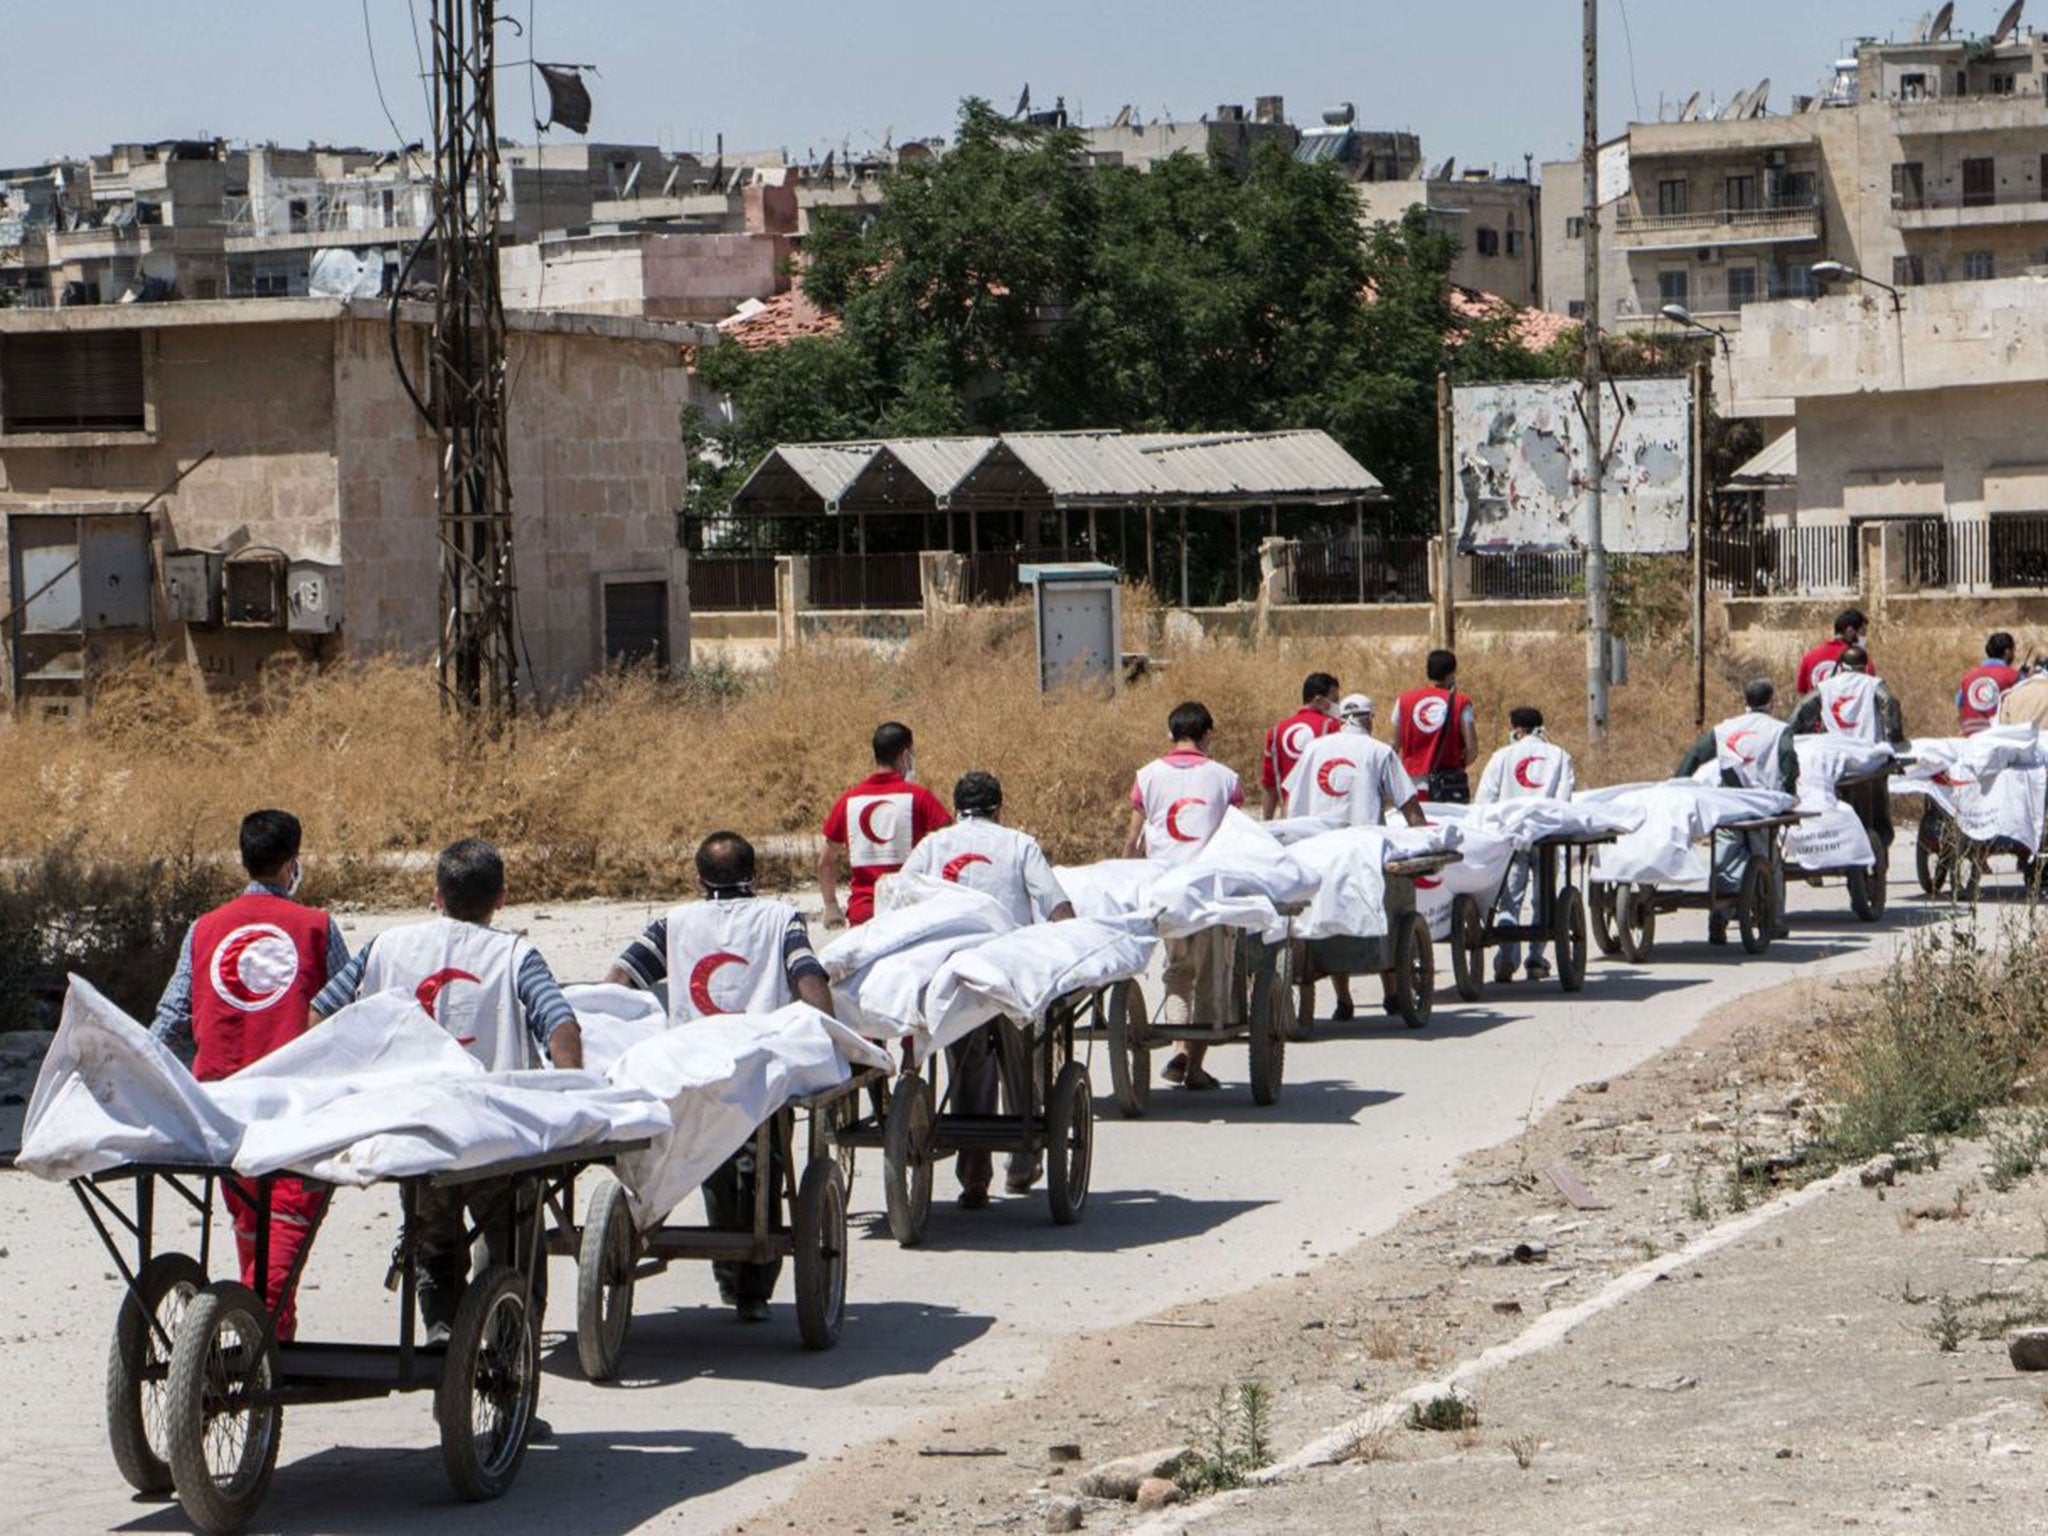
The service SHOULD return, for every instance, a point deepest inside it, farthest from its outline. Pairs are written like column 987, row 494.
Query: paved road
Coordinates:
column 715, row 1420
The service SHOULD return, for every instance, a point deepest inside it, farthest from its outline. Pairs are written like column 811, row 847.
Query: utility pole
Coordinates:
column 479, row 668
column 1597, row 648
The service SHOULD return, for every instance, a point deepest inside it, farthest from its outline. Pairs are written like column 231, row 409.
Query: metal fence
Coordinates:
column 1775, row 562
column 866, row 581
column 2019, row 550
column 734, row 584
column 991, row 575
column 1528, row 577
column 1354, row 570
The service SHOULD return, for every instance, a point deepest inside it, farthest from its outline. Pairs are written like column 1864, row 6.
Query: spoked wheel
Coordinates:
column 907, row 1160
column 1130, row 1056
column 1568, row 937
column 1868, row 895
column 1635, row 923
column 139, row 1365
column 490, row 1385
column 820, row 1254
column 1414, row 971
column 1604, row 932
column 1270, row 1011
column 604, row 1282
column 1753, row 908
column 221, row 1430
column 1070, row 1143
column 1301, row 1001
column 1468, row 947
column 1968, row 877
column 1930, row 865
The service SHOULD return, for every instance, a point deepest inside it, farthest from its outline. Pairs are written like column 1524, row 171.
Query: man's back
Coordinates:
column 1351, row 775
column 1428, row 730
column 465, row 976
column 998, row 861
column 1184, row 797
column 880, row 820
column 727, row 955
column 1982, row 691
column 257, row 963
column 1529, row 769
column 1288, row 739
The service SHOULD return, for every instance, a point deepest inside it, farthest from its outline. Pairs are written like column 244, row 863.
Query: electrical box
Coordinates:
column 192, row 587
column 1079, row 608
column 254, row 591
column 80, row 574
column 313, row 597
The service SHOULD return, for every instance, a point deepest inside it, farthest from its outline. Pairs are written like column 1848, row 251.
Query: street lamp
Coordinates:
column 1678, row 314
column 1841, row 271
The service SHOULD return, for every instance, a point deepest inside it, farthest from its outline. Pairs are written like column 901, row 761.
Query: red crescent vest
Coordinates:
column 257, row 965
column 1983, row 689
column 1417, row 743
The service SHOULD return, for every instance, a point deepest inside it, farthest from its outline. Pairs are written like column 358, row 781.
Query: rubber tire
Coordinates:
column 1568, row 938
column 821, row 1254
column 1301, row 1010
column 1468, row 947
column 209, row 1506
column 128, row 1361
column 496, row 1287
column 1605, row 934
column 1635, row 923
column 605, row 1263
column 1266, row 1019
column 1414, row 972
column 1130, row 1060
column 1070, row 1143
column 907, row 1160
column 1867, row 893
column 1929, row 867
column 1753, row 908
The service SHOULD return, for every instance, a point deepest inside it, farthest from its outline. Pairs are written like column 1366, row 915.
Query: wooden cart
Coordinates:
column 1557, row 915
column 1869, row 889
column 1625, row 915
column 1406, row 950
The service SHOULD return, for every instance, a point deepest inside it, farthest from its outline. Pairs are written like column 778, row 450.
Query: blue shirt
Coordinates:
column 540, row 995
column 173, row 1022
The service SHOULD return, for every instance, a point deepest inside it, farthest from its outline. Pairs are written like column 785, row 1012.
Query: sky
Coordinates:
column 1487, row 81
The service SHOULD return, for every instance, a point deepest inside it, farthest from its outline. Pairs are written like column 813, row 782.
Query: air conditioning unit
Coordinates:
column 1774, row 158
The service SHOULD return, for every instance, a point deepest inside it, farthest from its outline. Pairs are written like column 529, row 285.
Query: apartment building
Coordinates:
column 1495, row 220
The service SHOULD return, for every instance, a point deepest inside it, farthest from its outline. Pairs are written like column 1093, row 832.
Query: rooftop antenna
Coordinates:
column 1691, row 110
column 1943, row 20
column 1734, row 108
column 1920, row 33
column 1758, row 97
column 2010, row 23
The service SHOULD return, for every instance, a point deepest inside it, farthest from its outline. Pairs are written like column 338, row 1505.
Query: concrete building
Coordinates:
column 1494, row 220
column 142, row 221
column 1229, row 131
column 247, row 482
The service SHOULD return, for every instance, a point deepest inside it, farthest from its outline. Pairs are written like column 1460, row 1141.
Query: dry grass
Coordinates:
column 601, row 794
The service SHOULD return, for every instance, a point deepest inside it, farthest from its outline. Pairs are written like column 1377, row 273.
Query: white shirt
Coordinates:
column 1351, row 775
column 466, row 977
column 1848, row 707
column 1533, row 768
column 1183, row 796
column 997, row 861
column 1747, row 746
column 727, row 957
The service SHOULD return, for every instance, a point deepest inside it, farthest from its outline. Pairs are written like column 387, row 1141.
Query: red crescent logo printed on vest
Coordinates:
column 1823, row 670
column 955, row 866
column 1982, row 694
column 867, row 822
column 1326, row 777
column 428, row 993
column 1295, row 739
column 1525, row 773
column 700, row 979
column 1735, row 745
column 1844, row 711
column 1173, row 820
column 1428, row 882
column 1430, row 715
column 254, row 966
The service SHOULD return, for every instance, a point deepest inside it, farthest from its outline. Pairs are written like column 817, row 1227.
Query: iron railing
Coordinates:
column 2019, row 550
column 1775, row 562
column 991, row 575
column 866, row 581
column 1349, row 569
column 735, row 584
column 1532, row 577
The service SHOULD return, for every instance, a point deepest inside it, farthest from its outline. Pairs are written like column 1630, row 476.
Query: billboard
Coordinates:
column 1522, row 464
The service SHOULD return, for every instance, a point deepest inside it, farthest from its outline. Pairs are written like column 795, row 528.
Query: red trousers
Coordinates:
column 294, row 1207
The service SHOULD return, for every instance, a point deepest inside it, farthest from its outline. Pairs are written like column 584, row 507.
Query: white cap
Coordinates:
column 1354, row 706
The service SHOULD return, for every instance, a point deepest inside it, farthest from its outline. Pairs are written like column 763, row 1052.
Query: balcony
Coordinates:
column 1948, row 208
column 1931, row 116
column 1784, row 225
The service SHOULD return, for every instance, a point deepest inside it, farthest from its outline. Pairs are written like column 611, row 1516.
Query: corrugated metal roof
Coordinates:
column 940, row 463
column 1080, row 467
column 799, row 479
column 1776, row 465
column 1258, row 467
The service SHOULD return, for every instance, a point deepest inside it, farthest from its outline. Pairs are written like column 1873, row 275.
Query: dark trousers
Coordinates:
column 987, row 1069
column 507, row 1211
column 729, row 1200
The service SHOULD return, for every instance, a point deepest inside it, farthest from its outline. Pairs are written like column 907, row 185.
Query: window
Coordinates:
column 636, row 623
column 1980, row 182
column 1674, row 286
column 1575, row 227
column 1907, row 188
column 1796, row 189
column 72, row 381
column 1575, row 309
column 1979, row 266
column 296, row 213
column 1741, row 194
column 1908, row 272
column 1912, row 87
column 1741, row 286
column 389, row 201
column 1671, row 198
column 1487, row 242
column 273, row 285
column 2004, row 85
column 1514, row 242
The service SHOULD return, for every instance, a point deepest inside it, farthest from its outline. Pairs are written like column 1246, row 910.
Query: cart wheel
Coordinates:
column 1266, row 1020
column 840, row 1116
column 219, row 1437
column 1568, row 937
column 1867, row 887
column 1070, row 1143
column 140, row 1361
column 1753, row 908
column 1604, row 932
column 1130, row 1057
column 1635, row 923
column 821, row 1254
column 1301, row 1000
column 1930, row 868
column 1968, row 877
column 490, row 1384
column 1468, row 947
column 604, row 1282
column 907, row 1160
column 1414, row 971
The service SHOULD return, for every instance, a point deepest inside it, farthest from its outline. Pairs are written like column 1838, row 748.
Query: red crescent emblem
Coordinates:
column 1982, row 694
column 1326, row 777
column 254, row 966
column 1428, row 882
column 954, row 866
column 1173, row 820
column 1846, row 722
column 1295, row 739
column 1523, row 770
column 1822, row 671
column 1735, row 744
column 1430, row 715
column 700, row 979
column 867, row 821
column 428, row 992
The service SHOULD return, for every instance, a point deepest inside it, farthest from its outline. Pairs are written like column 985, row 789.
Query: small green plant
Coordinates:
column 1447, row 1411
column 1524, row 1449
column 1698, row 1207
column 1237, row 1439
column 1946, row 1327
column 2016, row 1147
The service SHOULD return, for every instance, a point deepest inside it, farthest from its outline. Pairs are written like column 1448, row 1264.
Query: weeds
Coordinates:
column 1524, row 1449
column 1383, row 1340
column 1446, row 1412
column 1697, row 1206
column 1236, row 1440
column 1946, row 1327
column 2016, row 1147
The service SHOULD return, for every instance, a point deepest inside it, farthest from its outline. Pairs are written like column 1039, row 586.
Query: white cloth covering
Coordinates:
column 1833, row 837
column 1020, row 975
column 1674, row 815
column 1992, row 784
column 917, row 910
column 1242, row 878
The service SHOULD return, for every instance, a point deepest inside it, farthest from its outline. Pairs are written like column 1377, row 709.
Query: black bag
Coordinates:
column 1447, row 786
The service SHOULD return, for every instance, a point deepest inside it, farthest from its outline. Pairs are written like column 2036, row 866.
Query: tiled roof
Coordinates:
column 784, row 318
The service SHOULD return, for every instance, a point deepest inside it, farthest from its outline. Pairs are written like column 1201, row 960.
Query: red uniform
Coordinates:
column 257, row 964
column 1421, row 717
column 1818, row 665
column 1286, row 741
column 878, row 822
column 1983, row 689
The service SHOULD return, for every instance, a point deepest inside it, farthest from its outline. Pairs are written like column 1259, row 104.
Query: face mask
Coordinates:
column 298, row 879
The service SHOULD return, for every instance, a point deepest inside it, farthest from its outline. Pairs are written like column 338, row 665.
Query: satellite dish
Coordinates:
column 1943, row 20
column 1737, row 109
column 1448, row 169
column 1926, row 27
column 1123, row 118
column 2010, row 23
column 1691, row 109
column 1758, row 97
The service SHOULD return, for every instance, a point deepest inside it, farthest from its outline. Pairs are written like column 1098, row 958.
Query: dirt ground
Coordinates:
column 1785, row 1383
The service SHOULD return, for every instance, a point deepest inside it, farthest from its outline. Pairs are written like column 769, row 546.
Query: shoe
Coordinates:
column 1344, row 1012
column 1717, row 929
column 727, row 1294
column 1200, row 1082
column 1177, row 1069
column 1390, row 1008
column 437, row 1336
column 1021, row 1181
column 540, row 1432
column 1503, row 973
column 975, row 1199
column 753, row 1310
column 1538, row 970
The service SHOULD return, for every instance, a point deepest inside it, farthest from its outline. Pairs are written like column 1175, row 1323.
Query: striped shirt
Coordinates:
column 646, row 958
column 540, row 995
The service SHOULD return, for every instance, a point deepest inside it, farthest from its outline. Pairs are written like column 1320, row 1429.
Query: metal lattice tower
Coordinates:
column 466, row 372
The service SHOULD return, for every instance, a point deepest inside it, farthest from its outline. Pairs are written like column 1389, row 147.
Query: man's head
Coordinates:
column 1442, row 667
column 1525, row 719
column 1850, row 625
column 892, row 744
column 1191, row 724
column 2000, row 647
column 725, row 862
column 1854, row 659
column 469, row 880
column 1760, row 694
column 980, row 795
column 270, row 845
column 1319, row 688
column 1356, row 713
